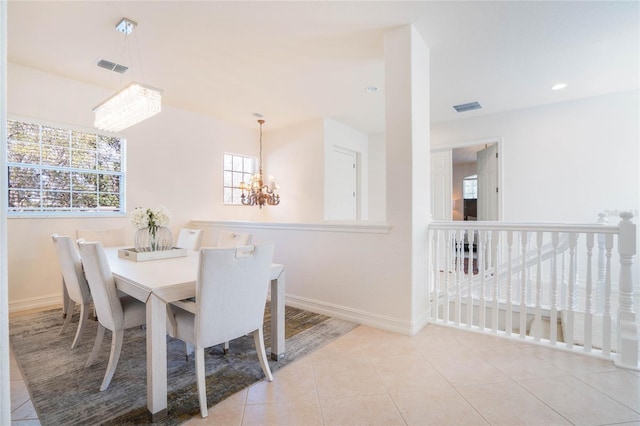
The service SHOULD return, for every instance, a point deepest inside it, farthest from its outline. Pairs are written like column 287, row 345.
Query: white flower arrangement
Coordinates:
column 150, row 218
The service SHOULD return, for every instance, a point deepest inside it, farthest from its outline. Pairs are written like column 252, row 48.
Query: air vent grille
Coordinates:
column 467, row 107
column 112, row 66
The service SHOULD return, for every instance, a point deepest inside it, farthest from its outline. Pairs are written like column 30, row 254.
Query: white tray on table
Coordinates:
column 142, row 256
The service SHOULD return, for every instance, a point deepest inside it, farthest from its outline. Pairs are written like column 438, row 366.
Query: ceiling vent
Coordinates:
column 112, row 66
column 467, row 107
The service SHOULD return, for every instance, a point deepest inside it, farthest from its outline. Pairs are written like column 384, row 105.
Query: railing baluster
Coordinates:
column 588, row 318
column 447, row 278
column 606, row 315
column 459, row 275
column 436, row 272
column 553, row 311
column 538, row 301
column 495, row 235
column 481, row 250
column 568, row 336
column 469, row 272
column 509, row 314
column 524, row 237
column 601, row 267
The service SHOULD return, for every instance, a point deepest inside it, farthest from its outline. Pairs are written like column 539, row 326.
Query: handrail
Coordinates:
column 524, row 226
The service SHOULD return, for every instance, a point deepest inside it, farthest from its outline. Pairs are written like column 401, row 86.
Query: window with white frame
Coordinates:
column 470, row 187
column 53, row 170
column 236, row 169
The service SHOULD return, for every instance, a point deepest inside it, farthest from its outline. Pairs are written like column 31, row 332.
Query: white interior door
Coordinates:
column 441, row 171
column 343, row 182
column 488, row 190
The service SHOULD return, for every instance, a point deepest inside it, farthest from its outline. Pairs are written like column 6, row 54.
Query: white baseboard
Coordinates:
column 35, row 303
column 349, row 314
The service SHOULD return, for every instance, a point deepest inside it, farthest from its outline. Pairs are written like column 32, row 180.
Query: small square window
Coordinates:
column 236, row 168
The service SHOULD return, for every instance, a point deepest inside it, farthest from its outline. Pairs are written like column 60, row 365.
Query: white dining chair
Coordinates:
column 75, row 284
column 231, row 292
column 116, row 312
column 234, row 239
column 230, row 239
column 189, row 239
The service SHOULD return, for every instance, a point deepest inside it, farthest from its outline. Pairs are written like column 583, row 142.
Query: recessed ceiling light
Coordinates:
column 371, row 89
column 559, row 86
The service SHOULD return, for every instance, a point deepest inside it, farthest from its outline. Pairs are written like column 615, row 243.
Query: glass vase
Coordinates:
column 153, row 238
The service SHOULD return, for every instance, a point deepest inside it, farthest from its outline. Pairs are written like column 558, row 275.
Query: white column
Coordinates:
column 5, row 397
column 408, row 162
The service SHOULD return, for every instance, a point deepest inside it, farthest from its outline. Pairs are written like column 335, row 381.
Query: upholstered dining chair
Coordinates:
column 189, row 239
column 115, row 312
column 231, row 292
column 75, row 283
column 234, row 239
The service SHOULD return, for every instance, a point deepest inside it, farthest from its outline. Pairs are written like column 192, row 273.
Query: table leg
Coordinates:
column 277, row 318
column 156, row 358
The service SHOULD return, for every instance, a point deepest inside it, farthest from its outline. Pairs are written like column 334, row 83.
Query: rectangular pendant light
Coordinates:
column 131, row 105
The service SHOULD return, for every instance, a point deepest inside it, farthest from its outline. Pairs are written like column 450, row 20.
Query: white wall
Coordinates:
column 564, row 162
column 377, row 178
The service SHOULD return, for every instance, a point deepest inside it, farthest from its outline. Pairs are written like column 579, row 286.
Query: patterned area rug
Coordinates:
column 65, row 393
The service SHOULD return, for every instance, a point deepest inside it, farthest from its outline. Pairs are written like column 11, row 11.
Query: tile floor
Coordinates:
column 441, row 376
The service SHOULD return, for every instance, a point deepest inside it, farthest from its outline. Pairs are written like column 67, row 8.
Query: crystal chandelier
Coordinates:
column 134, row 103
column 129, row 106
column 260, row 193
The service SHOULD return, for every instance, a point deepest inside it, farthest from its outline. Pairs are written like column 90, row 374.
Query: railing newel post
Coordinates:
column 626, row 322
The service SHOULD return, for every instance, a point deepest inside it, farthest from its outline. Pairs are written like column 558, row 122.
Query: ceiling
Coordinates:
column 296, row 61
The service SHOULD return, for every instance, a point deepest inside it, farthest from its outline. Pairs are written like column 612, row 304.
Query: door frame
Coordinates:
column 475, row 142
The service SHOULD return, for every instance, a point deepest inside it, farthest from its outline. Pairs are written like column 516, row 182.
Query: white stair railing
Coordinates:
column 514, row 279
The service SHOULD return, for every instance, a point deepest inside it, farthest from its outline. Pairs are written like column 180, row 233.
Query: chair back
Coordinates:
column 233, row 239
column 71, row 267
column 231, row 292
column 102, row 285
column 108, row 237
column 189, row 239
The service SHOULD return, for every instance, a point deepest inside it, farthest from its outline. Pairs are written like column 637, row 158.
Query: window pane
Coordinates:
column 83, row 159
column 85, row 200
column 56, row 179
column 24, row 178
column 19, row 131
column 108, row 154
column 228, row 181
column 237, row 163
column 23, row 152
column 81, row 140
column 53, row 136
column 237, row 196
column 237, row 178
column 109, row 200
column 109, row 183
column 84, row 182
column 227, row 196
column 55, row 155
column 55, row 199
column 24, row 199
column 228, row 162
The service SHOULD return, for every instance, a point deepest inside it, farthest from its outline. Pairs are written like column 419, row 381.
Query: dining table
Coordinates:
column 161, row 281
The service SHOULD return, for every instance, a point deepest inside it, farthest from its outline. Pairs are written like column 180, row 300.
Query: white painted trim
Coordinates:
column 355, row 315
column 52, row 300
column 353, row 227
